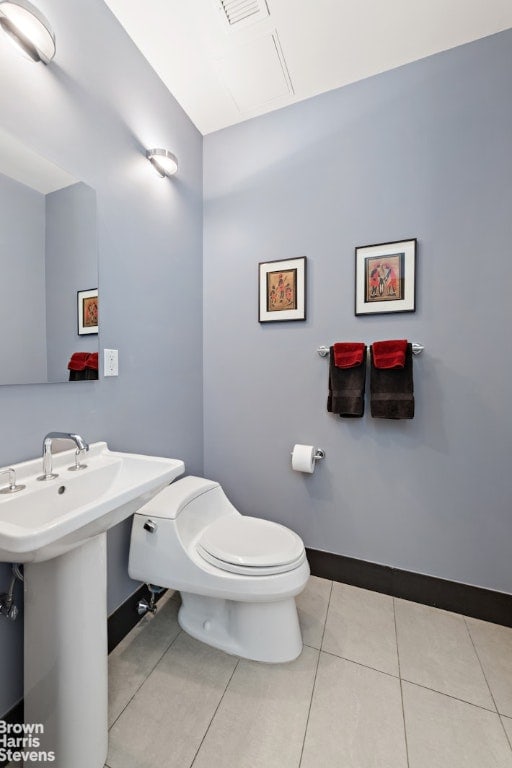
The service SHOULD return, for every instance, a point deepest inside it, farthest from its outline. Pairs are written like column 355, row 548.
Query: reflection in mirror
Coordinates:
column 48, row 254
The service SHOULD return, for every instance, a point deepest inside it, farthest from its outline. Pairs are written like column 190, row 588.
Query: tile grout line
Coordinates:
column 157, row 662
column 149, row 673
column 214, row 713
column 314, row 679
column 481, row 665
column 487, row 683
column 358, row 663
column 449, row 696
column 401, row 684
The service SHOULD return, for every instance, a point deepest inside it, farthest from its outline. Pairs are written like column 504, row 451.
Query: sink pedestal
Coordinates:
column 57, row 529
column 66, row 662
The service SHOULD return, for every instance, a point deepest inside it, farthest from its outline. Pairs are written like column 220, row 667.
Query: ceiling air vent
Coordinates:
column 238, row 11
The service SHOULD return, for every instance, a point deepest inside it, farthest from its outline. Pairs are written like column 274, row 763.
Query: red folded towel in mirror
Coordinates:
column 389, row 354
column 92, row 361
column 78, row 361
column 348, row 354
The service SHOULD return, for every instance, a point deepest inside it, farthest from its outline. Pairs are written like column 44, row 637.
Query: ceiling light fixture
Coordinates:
column 28, row 29
column 164, row 162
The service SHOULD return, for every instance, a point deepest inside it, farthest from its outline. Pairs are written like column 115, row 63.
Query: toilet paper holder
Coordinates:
column 319, row 454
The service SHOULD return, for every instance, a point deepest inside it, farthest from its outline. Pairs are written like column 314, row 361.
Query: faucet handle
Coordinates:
column 12, row 487
column 78, row 455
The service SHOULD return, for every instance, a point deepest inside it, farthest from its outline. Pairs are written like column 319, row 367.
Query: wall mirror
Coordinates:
column 49, row 270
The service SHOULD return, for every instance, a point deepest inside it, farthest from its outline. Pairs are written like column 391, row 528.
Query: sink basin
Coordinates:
column 49, row 518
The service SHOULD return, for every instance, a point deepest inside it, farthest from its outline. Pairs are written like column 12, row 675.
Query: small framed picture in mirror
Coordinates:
column 87, row 312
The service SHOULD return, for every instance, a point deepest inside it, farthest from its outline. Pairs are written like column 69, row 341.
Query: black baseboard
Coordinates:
column 477, row 602
column 119, row 624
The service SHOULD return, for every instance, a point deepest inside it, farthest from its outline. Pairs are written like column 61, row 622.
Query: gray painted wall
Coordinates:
column 422, row 151
column 94, row 111
column 22, row 269
column 71, row 266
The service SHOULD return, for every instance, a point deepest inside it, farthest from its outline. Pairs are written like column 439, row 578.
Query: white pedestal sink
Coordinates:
column 58, row 529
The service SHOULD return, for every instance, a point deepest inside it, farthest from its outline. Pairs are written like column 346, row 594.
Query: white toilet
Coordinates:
column 238, row 576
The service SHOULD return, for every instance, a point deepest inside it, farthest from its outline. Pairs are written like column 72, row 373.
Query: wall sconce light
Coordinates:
column 28, row 29
column 164, row 162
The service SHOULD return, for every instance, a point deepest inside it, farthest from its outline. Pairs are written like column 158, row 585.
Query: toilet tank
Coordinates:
column 178, row 496
column 190, row 505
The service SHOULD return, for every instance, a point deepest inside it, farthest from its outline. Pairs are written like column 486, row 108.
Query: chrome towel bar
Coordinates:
column 417, row 349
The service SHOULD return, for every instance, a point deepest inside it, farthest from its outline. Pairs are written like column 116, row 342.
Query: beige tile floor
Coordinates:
column 381, row 683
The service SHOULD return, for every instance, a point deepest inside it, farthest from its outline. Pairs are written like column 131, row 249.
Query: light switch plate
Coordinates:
column 110, row 362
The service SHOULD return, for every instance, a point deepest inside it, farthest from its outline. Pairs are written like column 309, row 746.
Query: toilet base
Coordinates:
column 259, row 631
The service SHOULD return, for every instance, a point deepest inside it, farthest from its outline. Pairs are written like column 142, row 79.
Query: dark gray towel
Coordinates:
column 86, row 375
column 346, row 388
column 391, row 390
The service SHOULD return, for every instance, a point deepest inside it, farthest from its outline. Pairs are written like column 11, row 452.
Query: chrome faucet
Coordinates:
column 47, row 450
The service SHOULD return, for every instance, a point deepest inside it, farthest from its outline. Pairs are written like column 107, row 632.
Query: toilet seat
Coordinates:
column 250, row 546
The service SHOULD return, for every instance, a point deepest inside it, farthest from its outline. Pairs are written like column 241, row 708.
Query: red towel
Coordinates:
column 389, row 354
column 92, row 361
column 81, row 360
column 78, row 361
column 348, row 354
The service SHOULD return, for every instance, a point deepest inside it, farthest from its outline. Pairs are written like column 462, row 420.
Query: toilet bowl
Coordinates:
column 238, row 575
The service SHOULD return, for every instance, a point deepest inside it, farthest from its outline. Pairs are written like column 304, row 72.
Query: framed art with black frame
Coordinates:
column 385, row 278
column 87, row 312
column 282, row 290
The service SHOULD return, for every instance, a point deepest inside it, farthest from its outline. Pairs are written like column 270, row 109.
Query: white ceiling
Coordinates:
column 289, row 50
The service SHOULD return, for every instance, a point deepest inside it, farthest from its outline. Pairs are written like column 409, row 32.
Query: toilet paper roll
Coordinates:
column 303, row 458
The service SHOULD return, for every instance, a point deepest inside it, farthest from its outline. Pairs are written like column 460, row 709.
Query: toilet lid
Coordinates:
column 245, row 544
